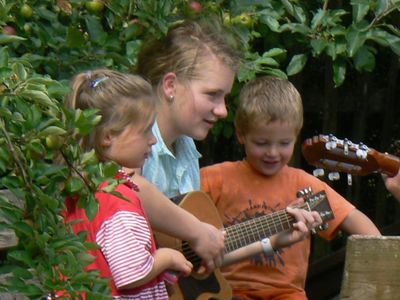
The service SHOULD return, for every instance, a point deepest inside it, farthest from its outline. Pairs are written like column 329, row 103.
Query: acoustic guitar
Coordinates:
column 213, row 286
column 331, row 153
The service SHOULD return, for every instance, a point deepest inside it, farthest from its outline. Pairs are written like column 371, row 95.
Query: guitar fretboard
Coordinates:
column 248, row 232
column 253, row 230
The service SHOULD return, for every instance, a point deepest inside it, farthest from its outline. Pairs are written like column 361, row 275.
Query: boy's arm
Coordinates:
column 358, row 223
column 305, row 221
column 165, row 216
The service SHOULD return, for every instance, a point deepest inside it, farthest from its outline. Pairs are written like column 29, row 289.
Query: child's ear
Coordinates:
column 240, row 136
column 107, row 140
column 169, row 84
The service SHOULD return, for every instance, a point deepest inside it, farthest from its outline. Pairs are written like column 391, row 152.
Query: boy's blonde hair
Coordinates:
column 122, row 100
column 267, row 99
column 184, row 50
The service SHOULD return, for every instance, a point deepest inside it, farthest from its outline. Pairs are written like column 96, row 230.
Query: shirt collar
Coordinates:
column 183, row 143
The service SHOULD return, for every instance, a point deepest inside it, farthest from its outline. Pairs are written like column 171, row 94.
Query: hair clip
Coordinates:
column 96, row 82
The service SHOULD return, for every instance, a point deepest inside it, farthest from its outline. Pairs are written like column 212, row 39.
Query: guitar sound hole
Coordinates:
column 190, row 255
column 191, row 287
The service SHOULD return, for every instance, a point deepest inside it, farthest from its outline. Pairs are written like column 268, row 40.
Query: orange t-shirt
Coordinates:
column 241, row 193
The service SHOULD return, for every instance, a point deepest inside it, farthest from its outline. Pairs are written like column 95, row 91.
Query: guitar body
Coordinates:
column 197, row 286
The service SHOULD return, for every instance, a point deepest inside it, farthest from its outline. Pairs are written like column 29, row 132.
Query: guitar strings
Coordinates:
column 247, row 232
column 250, row 231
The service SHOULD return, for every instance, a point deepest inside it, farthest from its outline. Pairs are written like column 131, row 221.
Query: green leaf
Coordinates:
column 381, row 6
column 318, row 46
column 364, row 60
column 20, row 71
column 360, row 9
column 75, row 38
column 21, row 256
column 95, row 30
column 6, row 39
column 271, row 22
column 274, row 52
column 276, row 73
column 85, row 258
column 38, row 97
column 288, row 6
column 299, row 14
column 52, row 130
column 268, row 61
column 22, row 273
column 339, row 72
column 296, row 28
column 4, row 57
column 74, row 185
column 110, row 169
column 110, row 187
column 88, row 156
column 92, row 207
column 318, row 17
column 296, row 64
column 22, row 228
column 355, row 39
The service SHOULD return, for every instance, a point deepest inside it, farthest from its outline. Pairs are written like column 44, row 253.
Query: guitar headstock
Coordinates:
column 331, row 153
column 317, row 202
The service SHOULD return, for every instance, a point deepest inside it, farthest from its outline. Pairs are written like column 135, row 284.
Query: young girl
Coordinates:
column 192, row 70
column 127, row 252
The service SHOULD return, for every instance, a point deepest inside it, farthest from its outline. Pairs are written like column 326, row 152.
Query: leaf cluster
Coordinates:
column 41, row 164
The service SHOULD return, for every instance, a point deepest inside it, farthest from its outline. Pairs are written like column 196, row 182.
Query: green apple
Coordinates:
column 95, row 6
column 26, row 11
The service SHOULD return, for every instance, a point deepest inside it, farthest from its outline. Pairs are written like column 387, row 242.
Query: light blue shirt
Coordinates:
column 173, row 174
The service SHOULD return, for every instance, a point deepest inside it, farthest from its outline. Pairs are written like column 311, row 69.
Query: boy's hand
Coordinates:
column 305, row 222
column 209, row 245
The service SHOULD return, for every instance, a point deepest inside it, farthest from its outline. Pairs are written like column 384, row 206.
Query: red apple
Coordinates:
column 195, row 6
column 9, row 30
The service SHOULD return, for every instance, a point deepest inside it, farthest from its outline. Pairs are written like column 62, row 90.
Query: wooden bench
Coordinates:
column 372, row 268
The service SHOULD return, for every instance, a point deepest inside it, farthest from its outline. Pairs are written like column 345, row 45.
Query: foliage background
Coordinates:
column 342, row 56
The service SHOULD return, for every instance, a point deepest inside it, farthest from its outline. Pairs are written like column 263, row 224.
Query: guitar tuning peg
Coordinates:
column 349, row 179
column 361, row 154
column 330, row 145
column 332, row 138
column 363, row 147
column 319, row 172
column 304, row 192
column 333, row 176
column 323, row 226
column 346, row 146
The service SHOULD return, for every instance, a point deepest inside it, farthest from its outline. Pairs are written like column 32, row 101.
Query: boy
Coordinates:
column 268, row 120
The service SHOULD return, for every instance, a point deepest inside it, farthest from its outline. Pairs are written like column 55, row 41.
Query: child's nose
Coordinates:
column 220, row 110
column 272, row 151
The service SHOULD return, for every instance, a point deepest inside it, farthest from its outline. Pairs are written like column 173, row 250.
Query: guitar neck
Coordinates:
column 388, row 164
column 248, row 232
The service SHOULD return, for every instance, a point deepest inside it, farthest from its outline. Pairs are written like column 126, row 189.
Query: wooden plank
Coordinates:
column 372, row 268
column 8, row 238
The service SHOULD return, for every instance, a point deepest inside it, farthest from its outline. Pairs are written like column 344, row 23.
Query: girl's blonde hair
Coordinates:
column 185, row 48
column 122, row 100
column 267, row 99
